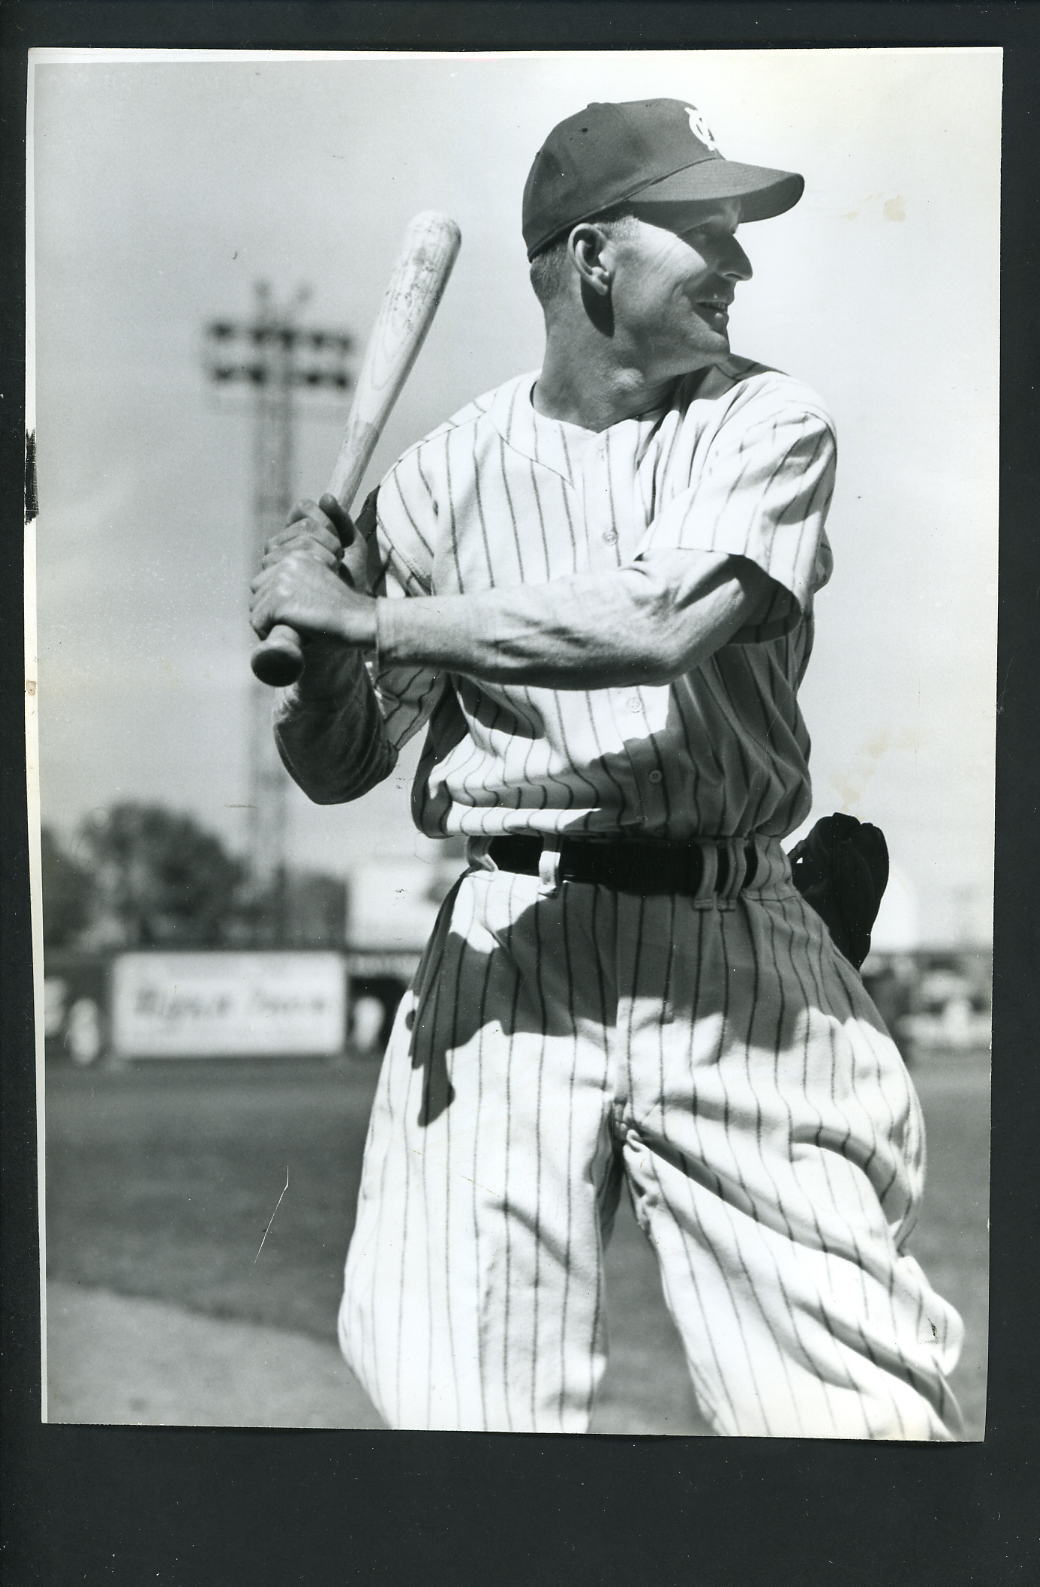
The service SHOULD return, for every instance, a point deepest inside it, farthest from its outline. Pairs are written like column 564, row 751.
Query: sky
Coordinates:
column 164, row 186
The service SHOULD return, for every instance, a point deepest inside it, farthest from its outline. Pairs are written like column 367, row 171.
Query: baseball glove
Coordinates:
column 841, row 870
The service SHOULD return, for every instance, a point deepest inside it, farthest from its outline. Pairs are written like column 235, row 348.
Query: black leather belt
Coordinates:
column 629, row 866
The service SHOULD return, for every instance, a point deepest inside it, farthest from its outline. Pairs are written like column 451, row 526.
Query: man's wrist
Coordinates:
column 446, row 633
column 357, row 627
column 386, row 630
column 425, row 630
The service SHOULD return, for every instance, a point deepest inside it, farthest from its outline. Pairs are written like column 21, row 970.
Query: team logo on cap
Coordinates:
column 700, row 129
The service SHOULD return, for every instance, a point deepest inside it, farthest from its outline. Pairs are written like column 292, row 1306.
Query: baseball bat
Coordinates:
column 410, row 301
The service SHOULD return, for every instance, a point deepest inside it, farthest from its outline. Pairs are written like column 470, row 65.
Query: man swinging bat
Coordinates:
column 593, row 589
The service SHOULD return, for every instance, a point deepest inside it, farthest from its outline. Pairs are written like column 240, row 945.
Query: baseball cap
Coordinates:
column 659, row 150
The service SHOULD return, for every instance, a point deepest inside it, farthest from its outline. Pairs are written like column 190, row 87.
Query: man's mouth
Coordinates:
column 716, row 308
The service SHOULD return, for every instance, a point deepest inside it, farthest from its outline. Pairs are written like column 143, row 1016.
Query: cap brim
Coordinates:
column 762, row 193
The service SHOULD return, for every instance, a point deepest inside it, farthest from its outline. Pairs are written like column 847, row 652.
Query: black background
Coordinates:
column 180, row 1507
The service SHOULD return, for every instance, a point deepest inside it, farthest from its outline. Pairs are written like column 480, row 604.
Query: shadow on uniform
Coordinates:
column 450, row 1002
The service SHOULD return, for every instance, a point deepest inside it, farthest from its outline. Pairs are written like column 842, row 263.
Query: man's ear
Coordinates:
column 589, row 248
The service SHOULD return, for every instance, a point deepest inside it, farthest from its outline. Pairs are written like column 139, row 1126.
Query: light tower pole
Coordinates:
column 275, row 357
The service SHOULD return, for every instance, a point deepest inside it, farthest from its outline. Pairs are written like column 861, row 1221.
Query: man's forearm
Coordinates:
column 329, row 728
column 642, row 624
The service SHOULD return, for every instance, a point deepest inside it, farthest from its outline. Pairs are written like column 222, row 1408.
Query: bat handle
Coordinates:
column 278, row 659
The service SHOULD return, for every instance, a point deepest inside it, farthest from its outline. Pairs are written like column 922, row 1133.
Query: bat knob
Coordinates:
column 278, row 660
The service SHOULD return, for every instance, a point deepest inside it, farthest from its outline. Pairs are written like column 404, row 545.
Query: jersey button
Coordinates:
column 610, row 536
column 655, row 777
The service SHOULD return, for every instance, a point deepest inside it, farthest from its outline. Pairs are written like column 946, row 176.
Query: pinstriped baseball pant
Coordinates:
column 723, row 1059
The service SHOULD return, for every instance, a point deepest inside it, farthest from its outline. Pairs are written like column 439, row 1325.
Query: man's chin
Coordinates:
column 705, row 358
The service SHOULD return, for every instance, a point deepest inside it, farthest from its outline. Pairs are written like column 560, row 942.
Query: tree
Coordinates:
column 68, row 892
column 161, row 879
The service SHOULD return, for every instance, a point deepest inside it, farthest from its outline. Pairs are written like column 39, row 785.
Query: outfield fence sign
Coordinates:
column 228, row 1004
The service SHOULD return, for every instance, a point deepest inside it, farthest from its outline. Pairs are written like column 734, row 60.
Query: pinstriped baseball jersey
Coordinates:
column 740, row 460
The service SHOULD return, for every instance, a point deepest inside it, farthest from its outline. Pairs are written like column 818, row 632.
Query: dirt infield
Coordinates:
column 118, row 1360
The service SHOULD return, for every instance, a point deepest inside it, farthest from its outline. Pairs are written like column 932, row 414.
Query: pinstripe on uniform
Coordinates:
column 717, row 1053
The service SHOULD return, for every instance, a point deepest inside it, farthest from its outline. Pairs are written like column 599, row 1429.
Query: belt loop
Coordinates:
column 732, row 875
column 477, row 854
column 549, row 865
column 704, row 897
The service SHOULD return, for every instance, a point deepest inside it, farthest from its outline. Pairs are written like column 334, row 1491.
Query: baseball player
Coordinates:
column 593, row 588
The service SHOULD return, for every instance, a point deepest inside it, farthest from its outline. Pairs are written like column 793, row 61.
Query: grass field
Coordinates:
column 161, row 1180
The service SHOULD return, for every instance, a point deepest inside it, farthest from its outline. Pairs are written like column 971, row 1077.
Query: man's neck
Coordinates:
column 589, row 387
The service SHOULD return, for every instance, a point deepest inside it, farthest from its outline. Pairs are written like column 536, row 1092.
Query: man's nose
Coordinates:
column 735, row 262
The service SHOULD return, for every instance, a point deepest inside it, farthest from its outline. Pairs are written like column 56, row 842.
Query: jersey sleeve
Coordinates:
column 760, row 489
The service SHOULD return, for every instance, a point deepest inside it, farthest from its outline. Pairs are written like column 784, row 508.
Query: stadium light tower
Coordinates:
column 274, row 357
